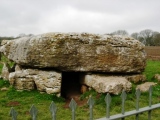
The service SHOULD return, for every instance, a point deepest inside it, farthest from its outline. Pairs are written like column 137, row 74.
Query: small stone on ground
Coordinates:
column 145, row 86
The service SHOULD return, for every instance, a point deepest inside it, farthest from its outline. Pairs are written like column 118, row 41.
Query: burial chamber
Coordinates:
column 59, row 62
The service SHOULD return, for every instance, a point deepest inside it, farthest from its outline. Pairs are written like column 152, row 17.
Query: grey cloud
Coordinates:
column 98, row 16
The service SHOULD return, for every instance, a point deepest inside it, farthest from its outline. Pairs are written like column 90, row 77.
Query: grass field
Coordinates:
column 23, row 100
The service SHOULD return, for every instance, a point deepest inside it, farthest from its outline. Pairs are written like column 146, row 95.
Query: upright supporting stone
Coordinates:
column 53, row 110
column 108, row 101
column 138, row 94
column 73, row 106
column 91, row 104
column 13, row 114
column 33, row 112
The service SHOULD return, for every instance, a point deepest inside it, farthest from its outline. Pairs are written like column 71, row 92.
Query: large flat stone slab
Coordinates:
column 77, row 52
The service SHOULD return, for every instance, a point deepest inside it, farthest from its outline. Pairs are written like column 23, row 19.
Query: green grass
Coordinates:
column 4, row 59
column 23, row 100
column 4, row 83
column 152, row 68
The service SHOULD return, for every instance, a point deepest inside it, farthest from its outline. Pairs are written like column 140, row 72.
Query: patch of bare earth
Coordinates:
column 76, row 96
column 153, row 52
column 13, row 103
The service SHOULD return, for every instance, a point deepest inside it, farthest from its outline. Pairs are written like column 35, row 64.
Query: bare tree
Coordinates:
column 156, row 39
column 30, row 35
column 146, row 37
column 135, row 35
column 21, row 35
column 120, row 32
column 24, row 35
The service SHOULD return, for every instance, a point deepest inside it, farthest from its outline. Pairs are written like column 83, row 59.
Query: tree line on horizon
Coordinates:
column 148, row 37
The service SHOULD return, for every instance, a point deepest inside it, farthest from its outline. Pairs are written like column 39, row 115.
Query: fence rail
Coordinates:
column 122, row 115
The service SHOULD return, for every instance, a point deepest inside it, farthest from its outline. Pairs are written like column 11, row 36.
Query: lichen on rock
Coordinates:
column 78, row 52
column 42, row 59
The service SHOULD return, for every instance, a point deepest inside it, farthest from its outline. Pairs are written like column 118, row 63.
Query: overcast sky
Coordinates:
column 93, row 16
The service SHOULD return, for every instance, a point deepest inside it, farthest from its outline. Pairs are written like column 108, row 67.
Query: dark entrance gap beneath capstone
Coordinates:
column 70, row 86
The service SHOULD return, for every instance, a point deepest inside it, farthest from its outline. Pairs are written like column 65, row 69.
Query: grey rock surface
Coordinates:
column 157, row 76
column 77, row 52
column 29, row 79
column 145, row 86
column 107, row 84
column 5, row 71
column 136, row 78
